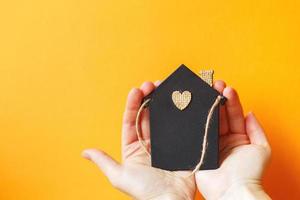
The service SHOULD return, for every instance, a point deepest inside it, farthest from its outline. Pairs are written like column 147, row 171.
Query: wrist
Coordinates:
column 245, row 190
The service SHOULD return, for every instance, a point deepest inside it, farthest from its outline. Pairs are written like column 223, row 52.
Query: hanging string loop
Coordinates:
column 204, row 143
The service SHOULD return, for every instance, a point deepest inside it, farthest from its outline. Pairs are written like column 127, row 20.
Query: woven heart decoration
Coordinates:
column 181, row 100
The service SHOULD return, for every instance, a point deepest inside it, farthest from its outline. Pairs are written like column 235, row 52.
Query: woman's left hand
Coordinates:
column 135, row 176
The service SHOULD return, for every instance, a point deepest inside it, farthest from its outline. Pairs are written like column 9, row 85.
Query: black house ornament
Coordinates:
column 184, row 122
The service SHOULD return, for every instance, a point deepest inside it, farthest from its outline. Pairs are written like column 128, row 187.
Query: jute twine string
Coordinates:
column 204, row 143
column 141, row 141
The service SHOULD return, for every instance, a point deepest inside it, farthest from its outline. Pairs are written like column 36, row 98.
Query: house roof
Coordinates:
column 184, row 76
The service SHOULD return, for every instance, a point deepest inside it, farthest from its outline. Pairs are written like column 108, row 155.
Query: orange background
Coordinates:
column 66, row 67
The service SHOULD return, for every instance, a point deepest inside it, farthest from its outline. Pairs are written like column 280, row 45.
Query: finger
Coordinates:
column 234, row 110
column 157, row 83
column 134, row 100
column 255, row 131
column 219, row 86
column 111, row 168
column 146, row 87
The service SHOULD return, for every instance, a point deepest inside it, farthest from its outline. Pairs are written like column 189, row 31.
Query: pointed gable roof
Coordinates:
column 184, row 76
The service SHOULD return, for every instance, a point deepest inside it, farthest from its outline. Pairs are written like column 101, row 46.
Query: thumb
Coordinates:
column 255, row 132
column 111, row 168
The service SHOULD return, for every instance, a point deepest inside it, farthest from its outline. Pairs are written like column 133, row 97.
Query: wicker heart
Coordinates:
column 181, row 100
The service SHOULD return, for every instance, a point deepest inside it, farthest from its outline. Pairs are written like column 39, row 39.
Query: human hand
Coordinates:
column 244, row 153
column 135, row 176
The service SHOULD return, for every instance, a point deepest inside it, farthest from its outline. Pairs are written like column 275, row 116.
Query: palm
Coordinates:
column 243, row 152
column 135, row 176
column 151, row 182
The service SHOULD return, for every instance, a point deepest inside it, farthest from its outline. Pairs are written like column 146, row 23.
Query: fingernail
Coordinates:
column 252, row 117
column 133, row 90
column 251, row 114
column 144, row 84
column 157, row 83
column 86, row 155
